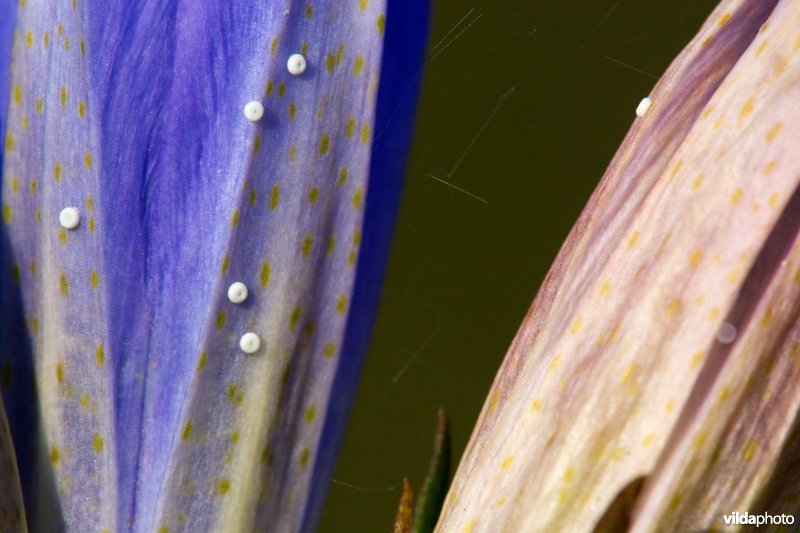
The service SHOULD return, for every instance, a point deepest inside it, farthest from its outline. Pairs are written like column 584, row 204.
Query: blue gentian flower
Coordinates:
column 136, row 194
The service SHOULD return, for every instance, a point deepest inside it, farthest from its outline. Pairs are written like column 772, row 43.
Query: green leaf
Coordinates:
column 431, row 499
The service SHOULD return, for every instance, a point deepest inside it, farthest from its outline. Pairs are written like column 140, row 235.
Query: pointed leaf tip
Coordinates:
column 402, row 520
column 437, row 482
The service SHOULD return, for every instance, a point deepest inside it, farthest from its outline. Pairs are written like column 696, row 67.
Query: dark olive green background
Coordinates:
column 523, row 104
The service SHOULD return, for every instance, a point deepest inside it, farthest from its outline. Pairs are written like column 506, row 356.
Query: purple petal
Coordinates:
column 141, row 128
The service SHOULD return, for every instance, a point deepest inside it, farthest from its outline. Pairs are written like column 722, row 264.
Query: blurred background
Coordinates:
column 523, row 105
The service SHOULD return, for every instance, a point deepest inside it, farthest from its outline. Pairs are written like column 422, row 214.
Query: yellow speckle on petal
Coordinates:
column 773, row 133
column 695, row 258
column 698, row 182
column 29, row 39
column 94, row 278
column 87, row 160
column 257, row 144
column 648, row 439
column 381, row 23
column 309, row 11
column 310, row 413
column 736, row 197
column 362, row 4
column 749, row 450
column 55, row 455
column 274, row 197
column 723, row 19
column 201, row 364
column 225, row 262
column 187, row 431
column 358, row 65
column 100, row 355
column 17, row 95
column 7, row 214
column 341, row 304
column 306, row 246
column 264, row 274
column 761, row 47
column 697, row 358
column 304, row 456
column 507, row 462
column 9, row 142
column 220, row 320
column 292, row 111
column 294, row 318
column 59, row 373
column 235, row 218
column 674, row 307
column 365, row 133
column 63, row 99
column 358, row 197
column 350, row 128
column 577, row 324
column 632, row 240
column 64, row 284
column 313, row 195
column 556, row 362
column 329, row 350
column 747, row 109
column 223, row 485
column 274, row 46
column 324, row 144
column 97, row 443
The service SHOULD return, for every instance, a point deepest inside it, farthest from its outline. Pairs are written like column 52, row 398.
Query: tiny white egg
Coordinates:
column 296, row 64
column 253, row 111
column 644, row 106
column 727, row 333
column 69, row 217
column 237, row 292
column 250, row 342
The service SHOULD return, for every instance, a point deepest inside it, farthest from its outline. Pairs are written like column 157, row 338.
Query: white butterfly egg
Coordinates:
column 69, row 217
column 237, row 292
column 250, row 342
column 644, row 106
column 296, row 64
column 253, row 111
